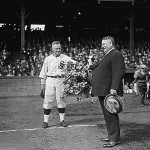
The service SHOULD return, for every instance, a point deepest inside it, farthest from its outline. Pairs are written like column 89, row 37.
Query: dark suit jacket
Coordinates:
column 108, row 74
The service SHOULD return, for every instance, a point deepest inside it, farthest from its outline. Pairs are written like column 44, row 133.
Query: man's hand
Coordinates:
column 113, row 92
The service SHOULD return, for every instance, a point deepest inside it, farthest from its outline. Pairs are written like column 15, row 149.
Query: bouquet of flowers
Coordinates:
column 78, row 81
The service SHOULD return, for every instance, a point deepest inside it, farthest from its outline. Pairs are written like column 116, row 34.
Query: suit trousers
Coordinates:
column 112, row 122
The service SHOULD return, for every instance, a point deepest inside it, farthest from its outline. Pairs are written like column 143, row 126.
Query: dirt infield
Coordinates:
column 21, row 118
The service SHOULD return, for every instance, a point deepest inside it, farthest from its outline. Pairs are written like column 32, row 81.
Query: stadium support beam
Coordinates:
column 132, row 51
column 23, row 16
column 133, row 2
column 22, row 28
column 116, row 0
column 129, row 1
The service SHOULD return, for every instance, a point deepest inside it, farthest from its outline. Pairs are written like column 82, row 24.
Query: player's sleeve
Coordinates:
column 69, row 59
column 44, row 69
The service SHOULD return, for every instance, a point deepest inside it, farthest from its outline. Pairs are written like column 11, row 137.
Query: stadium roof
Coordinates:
column 83, row 12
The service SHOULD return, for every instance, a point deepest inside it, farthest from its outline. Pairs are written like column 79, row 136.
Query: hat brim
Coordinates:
column 114, row 104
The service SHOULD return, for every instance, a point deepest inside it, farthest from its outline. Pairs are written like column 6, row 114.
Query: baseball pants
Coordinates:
column 53, row 93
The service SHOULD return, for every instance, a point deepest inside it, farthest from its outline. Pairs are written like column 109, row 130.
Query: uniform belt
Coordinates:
column 58, row 76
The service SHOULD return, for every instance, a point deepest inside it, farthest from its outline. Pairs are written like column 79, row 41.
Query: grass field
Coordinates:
column 21, row 117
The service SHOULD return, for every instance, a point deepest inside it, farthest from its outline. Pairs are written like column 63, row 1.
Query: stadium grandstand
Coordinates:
column 27, row 29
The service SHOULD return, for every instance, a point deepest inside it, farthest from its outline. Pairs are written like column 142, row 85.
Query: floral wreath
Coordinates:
column 78, row 80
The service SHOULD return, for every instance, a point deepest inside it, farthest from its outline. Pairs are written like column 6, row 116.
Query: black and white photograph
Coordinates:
column 75, row 75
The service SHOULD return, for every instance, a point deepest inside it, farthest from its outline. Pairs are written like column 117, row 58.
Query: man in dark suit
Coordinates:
column 107, row 78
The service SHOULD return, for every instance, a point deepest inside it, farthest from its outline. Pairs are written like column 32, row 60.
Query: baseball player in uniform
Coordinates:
column 53, row 74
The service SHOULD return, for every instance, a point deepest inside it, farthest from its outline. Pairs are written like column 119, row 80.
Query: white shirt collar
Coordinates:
column 109, row 50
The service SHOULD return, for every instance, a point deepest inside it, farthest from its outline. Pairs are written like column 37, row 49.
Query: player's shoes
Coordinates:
column 63, row 124
column 45, row 125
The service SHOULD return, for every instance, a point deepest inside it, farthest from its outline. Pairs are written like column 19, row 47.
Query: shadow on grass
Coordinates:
column 85, row 121
column 133, row 132
column 83, row 109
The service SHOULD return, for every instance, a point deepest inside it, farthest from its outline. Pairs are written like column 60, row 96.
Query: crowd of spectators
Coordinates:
column 85, row 50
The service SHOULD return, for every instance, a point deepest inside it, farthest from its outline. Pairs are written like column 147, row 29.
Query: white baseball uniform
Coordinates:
column 54, row 75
